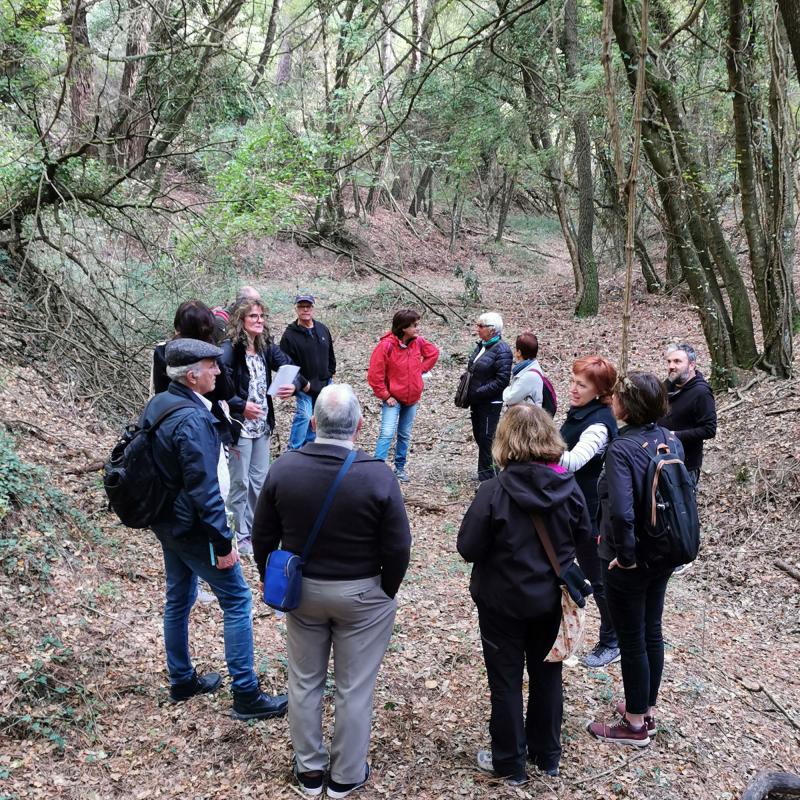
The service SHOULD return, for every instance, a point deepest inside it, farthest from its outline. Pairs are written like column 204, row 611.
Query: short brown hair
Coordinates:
column 526, row 433
column 641, row 397
column 402, row 319
column 600, row 371
column 528, row 344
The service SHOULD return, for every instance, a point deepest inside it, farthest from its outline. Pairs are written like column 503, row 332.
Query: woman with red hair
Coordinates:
column 588, row 430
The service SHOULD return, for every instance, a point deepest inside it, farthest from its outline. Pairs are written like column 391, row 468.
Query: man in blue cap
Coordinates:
column 309, row 344
column 194, row 533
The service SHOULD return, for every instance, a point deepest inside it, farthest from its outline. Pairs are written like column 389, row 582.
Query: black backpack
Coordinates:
column 671, row 533
column 136, row 488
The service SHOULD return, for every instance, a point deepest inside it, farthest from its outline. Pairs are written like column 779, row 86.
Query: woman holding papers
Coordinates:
column 249, row 357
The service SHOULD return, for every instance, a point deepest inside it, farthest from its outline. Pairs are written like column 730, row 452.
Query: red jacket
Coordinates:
column 396, row 371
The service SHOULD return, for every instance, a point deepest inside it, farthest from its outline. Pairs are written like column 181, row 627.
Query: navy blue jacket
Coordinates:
column 186, row 449
column 491, row 373
column 234, row 359
column 622, row 490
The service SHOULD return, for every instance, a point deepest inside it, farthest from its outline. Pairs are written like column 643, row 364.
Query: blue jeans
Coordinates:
column 184, row 563
column 397, row 419
column 301, row 432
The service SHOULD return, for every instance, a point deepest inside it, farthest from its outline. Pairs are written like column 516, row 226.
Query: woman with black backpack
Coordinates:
column 635, row 588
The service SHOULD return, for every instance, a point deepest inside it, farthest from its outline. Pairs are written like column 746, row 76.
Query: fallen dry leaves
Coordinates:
column 90, row 643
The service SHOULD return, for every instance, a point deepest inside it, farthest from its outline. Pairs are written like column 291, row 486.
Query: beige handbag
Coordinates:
column 573, row 618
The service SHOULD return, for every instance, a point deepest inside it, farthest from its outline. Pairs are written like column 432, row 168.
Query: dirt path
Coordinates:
column 82, row 683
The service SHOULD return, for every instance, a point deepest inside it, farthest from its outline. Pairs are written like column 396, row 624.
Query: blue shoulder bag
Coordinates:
column 283, row 575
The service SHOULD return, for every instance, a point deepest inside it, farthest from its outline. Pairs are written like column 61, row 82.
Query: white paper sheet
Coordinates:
column 283, row 377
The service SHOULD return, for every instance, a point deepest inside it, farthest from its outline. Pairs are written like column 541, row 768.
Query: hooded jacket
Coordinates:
column 395, row 369
column 312, row 350
column 512, row 574
column 692, row 417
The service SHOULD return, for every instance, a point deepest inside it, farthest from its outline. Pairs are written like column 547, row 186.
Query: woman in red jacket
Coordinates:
column 395, row 376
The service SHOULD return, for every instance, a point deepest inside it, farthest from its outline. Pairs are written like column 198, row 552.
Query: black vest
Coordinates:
column 577, row 421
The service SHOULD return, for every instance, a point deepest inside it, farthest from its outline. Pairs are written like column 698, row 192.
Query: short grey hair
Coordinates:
column 494, row 320
column 337, row 412
column 686, row 348
column 176, row 373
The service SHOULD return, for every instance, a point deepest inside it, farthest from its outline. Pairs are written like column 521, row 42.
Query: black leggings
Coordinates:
column 484, row 424
column 636, row 602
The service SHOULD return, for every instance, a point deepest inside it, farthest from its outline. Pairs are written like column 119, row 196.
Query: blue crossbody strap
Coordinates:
column 326, row 505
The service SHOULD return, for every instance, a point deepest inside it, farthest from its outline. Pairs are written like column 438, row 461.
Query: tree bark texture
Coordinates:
column 790, row 11
column 269, row 42
column 79, row 73
column 763, row 225
column 588, row 294
column 678, row 214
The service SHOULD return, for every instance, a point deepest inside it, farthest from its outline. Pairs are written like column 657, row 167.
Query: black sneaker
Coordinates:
column 310, row 782
column 204, row 684
column 257, row 705
column 343, row 789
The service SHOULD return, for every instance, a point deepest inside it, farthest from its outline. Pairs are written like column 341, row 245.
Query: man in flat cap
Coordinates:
column 309, row 344
column 194, row 533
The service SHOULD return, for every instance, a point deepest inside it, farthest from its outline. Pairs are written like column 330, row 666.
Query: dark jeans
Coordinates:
column 594, row 569
column 508, row 644
column 636, row 601
column 485, row 417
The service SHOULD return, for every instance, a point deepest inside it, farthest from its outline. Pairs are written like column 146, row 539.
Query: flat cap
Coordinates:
column 304, row 298
column 180, row 352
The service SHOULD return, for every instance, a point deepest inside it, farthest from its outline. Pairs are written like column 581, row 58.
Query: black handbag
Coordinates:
column 461, row 398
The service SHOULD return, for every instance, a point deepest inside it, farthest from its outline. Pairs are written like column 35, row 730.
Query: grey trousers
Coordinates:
column 356, row 617
column 248, row 466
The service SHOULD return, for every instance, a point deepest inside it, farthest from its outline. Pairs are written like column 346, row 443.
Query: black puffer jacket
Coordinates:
column 491, row 373
column 512, row 574
column 234, row 359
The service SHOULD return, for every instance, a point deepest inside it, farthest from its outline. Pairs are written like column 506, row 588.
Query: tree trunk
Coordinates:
column 506, row 196
column 269, row 41
column 79, row 73
column 678, row 214
column 790, row 11
column 588, row 291
column 418, row 201
column 764, row 245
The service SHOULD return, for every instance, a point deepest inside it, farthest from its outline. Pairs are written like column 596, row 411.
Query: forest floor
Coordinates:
column 83, row 697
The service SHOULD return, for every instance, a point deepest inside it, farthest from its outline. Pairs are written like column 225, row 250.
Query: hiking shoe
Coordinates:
column 257, row 705
column 245, row 546
column 601, row 656
column 649, row 721
column 310, row 782
column 620, row 732
column 199, row 684
column 682, row 569
column 551, row 771
column 401, row 475
column 343, row 789
column 486, row 764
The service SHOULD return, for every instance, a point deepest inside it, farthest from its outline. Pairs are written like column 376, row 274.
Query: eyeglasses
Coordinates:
column 255, row 317
column 481, row 325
